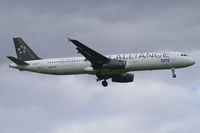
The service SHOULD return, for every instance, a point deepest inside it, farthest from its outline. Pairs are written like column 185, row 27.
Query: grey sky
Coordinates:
column 154, row 103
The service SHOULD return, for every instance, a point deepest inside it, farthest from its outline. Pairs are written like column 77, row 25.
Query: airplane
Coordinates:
column 114, row 67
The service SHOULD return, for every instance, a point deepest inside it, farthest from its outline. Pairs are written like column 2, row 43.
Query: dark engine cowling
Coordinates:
column 123, row 78
column 115, row 64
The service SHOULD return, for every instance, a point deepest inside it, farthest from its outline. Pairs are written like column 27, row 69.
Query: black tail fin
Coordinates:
column 23, row 51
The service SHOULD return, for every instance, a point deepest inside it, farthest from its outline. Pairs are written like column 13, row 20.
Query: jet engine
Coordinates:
column 123, row 78
column 115, row 64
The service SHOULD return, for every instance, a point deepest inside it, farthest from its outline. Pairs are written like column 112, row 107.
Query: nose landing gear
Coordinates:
column 173, row 73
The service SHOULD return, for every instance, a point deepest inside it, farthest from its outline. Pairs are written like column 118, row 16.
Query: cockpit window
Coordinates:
column 184, row 55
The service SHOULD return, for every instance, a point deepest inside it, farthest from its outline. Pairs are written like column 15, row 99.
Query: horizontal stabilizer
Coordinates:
column 17, row 61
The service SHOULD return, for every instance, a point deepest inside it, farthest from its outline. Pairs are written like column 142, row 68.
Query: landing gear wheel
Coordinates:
column 104, row 83
column 174, row 75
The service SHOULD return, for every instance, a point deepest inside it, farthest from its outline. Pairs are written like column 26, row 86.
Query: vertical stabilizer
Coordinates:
column 23, row 51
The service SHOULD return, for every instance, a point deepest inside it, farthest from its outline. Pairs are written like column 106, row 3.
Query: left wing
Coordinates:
column 94, row 57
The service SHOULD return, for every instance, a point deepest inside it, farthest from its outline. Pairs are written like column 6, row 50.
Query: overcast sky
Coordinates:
column 153, row 103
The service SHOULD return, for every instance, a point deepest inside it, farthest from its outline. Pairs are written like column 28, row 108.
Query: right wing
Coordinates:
column 94, row 57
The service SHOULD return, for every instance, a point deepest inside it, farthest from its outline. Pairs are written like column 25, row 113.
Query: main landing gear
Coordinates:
column 104, row 83
column 102, row 77
column 173, row 73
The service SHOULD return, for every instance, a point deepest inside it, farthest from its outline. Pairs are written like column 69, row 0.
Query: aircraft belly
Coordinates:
column 71, row 69
column 112, row 71
column 64, row 69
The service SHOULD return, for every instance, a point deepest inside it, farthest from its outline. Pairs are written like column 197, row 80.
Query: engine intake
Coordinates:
column 123, row 78
column 115, row 64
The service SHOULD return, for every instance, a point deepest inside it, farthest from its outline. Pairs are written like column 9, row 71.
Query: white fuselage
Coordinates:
column 134, row 62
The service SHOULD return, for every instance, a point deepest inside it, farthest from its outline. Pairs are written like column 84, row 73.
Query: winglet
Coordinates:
column 69, row 40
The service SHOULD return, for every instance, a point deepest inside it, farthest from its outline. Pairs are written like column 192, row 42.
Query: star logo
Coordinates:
column 21, row 49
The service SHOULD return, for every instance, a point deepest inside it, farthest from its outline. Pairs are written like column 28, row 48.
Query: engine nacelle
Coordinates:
column 123, row 78
column 115, row 64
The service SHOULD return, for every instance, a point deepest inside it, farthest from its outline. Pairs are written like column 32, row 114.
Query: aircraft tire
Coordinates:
column 104, row 83
column 174, row 75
